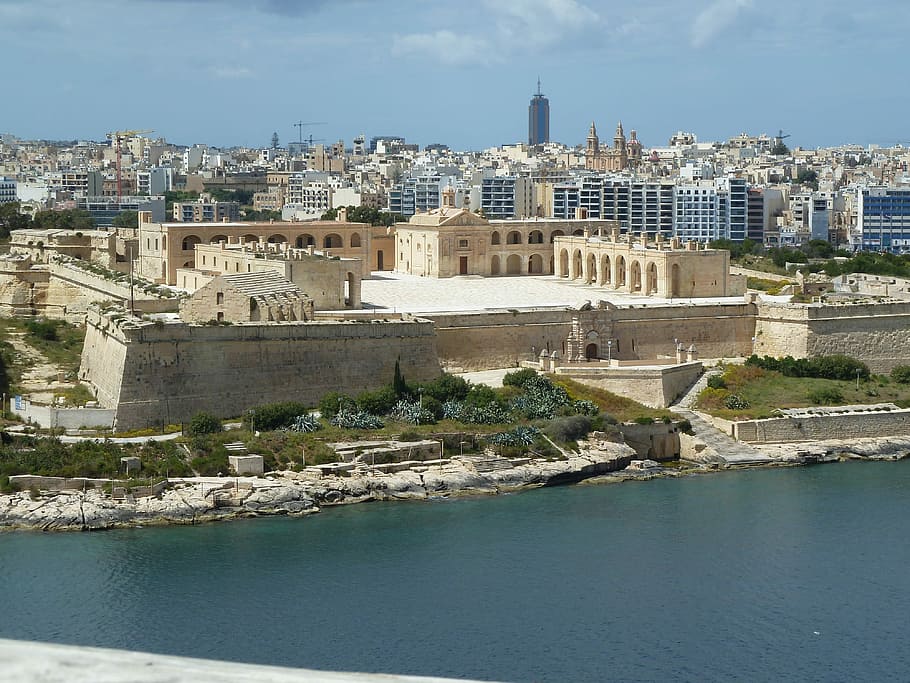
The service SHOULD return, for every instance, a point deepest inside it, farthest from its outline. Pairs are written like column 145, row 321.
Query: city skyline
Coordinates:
column 228, row 73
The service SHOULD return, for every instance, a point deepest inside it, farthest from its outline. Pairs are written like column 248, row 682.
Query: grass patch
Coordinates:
column 765, row 391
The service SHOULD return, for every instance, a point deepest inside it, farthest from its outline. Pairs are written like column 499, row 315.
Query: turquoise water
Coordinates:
column 765, row 575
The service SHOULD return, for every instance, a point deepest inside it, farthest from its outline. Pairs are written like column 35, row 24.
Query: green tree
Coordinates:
column 204, row 423
column 780, row 149
column 126, row 219
column 808, row 177
column 68, row 219
column 11, row 219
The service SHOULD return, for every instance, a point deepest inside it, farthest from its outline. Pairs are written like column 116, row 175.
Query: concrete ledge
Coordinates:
column 44, row 663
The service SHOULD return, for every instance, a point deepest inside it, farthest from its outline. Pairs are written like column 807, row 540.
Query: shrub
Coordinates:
column 716, row 382
column 518, row 378
column 332, row 402
column 204, row 423
column 42, row 329
column 378, row 402
column 901, row 374
column 412, row 412
column 305, row 423
column 447, row 388
column 827, row 396
column 823, row 367
column 567, row 429
column 277, row 415
column 585, row 407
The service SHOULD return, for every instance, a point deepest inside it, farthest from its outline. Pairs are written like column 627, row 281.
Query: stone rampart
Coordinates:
column 876, row 333
column 496, row 339
column 657, row 387
column 165, row 373
column 820, row 427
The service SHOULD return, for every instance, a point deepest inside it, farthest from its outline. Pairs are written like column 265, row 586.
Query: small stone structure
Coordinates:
column 248, row 297
column 246, row 464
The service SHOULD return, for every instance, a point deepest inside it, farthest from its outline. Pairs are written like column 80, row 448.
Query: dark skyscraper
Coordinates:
column 538, row 118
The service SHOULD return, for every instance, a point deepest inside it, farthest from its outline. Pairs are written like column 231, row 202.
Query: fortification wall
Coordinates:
column 654, row 387
column 163, row 374
column 876, row 333
column 821, row 427
column 496, row 339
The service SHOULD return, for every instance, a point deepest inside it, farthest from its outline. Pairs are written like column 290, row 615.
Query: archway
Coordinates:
column 218, row 238
column 592, row 269
column 675, row 283
column 494, row 238
column 577, row 264
column 190, row 242
column 249, row 238
column 355, row 239
column 494, row 265
column 563, row 263
column 605, row 275
column 578, row 233
column 277, row 238
column 635, row 284
column 332, row 241
column 513, row 265
column 620, row 278
column 305, row 240
column 555, row 234
column 513, row 237
column 535, row 264
column 591, row 351
column 535, row 237
column 651, row 278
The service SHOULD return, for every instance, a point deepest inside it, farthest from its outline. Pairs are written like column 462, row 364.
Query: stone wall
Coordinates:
column 68, row 418
column 496, row 339
column 876, row 333
column 821, row 427
column 165, row 373
column 657, row 387
column 658, row 441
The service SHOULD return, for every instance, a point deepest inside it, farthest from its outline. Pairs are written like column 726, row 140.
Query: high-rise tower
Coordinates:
column 538, row 118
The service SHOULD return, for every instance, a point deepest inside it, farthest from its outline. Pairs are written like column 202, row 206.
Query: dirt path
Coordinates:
column 40, row 378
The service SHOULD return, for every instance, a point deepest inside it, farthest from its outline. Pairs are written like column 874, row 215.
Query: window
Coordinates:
column 219, row 298
column 462, row 244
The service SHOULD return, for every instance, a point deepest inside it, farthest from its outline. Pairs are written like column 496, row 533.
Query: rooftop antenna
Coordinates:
column 539, row 94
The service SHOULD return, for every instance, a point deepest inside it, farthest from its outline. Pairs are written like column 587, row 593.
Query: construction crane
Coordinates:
column 300, row 125
column 117, row 138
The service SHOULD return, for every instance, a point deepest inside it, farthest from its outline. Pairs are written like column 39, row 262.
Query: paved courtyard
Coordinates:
column 398, row 292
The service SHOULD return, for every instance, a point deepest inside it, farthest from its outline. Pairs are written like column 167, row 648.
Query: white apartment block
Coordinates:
column 7, row 190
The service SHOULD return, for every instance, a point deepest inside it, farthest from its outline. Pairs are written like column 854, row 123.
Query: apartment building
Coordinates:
column 883, row 219
column 7, row 190
column 504, row 197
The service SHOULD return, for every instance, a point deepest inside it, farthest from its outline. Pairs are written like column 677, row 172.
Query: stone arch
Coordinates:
column 577, row 264
column 305, row 240
column 591, row 270
column 651, row 278
column 620, row 277
column 563, row 263
column 332, row 241
column 675, row 280
column 535, row 237
column 578, row 233
column 355, row 239
column 535, row 264
column 605, row 274
column 513, row 265
column 494, row 238
column 188, row 264
column 218, row 238
column 635, row 277
column 555, row 234
column 246, row 239
column 277, row 238
column 514, row 237
column 494, row 265
column 190, row 242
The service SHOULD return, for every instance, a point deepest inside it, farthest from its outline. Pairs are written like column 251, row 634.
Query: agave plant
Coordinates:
column 356, row 419
column 305, row 423
column 412, row 412
column 584, row 407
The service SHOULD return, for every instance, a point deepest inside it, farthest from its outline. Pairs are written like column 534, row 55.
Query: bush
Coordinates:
column 379, row 402
column 518, row 378
column 356, row 419
column 736, row 402
column 332, row 402
column 42, row 329
column 276, row 415
column 447, row 388
column 568, row 429
column 822, row 367
column 828, row 396
column 716, row 382
column 204, row 423
column 901, row 374
column 305, row 423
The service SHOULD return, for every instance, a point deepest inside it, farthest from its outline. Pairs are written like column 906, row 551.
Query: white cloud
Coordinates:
column 716, row 17
column 445, row 46
column 509, row 27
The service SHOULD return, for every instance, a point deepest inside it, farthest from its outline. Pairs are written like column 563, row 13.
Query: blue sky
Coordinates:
column 228, row 72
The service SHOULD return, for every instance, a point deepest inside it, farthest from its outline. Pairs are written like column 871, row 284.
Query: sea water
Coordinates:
column 760, row 575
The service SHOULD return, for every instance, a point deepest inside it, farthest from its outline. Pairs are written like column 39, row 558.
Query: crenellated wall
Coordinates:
column 165, row 373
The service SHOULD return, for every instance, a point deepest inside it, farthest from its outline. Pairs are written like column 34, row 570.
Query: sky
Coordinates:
column 232, row 72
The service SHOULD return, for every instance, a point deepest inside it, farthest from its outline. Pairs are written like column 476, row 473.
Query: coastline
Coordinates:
column 207, row 499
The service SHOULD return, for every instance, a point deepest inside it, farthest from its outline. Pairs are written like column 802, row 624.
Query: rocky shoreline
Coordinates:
column 206, row 499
